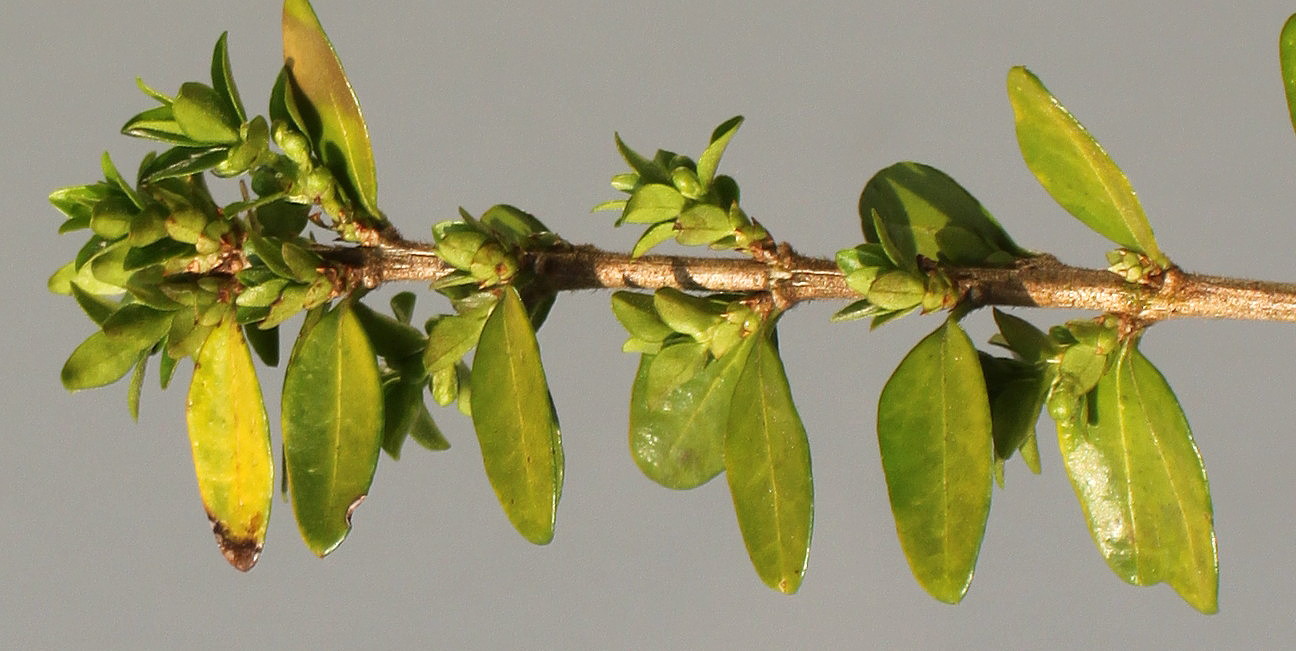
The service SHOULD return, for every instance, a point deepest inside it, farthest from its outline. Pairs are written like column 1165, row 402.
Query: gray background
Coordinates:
column 102, row 538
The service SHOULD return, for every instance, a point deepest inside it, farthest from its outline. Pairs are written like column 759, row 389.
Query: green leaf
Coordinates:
column 710, row 159
column 425, row 432
column 1287, row 59
column 649, row 171
column 767, row 462
column 230, row 439
column 927, row 212
column 1141, row 482
column 223, row 78
column 136, row 326
column 1024, row 339
column 115, row 179
column 328, row 106
column 99, row 361
column 652, row 203
column 934, row 432
column 159, row 123
column 1016, row 391
column 679, row 442
column 265, row 343
column 514, row 418
column 691, row 315
column 332, row 426
column 654, row 235
column 392, row 340
column 637, row 315
column 204, row 116
column 451, row 337
column 672, row 366
column 136, row 388
column 513, row 225
column 1075, row 170
column 95, row 307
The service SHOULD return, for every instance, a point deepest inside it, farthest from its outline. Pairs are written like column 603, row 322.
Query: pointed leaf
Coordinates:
column 332, row 426
column 934, row 432
column 99, row 361
column 1075, row 170
column 223, row 78
column 328, row 105
column 1141, row 482
column 710, row 159
column 230, row 438
column 767, row 461
column 514, row 418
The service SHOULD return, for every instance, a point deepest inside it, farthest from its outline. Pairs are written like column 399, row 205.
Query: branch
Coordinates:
column 1041, row 281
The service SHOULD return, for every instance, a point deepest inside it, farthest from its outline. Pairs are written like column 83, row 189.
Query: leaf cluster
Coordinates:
column 168, row 272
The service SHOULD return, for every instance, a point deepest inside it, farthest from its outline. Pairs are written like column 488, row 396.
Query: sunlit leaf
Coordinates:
column 514, row 418
column 679, row 442
column 1141, row 482
column 332, row 426
column 1287, row 59
column 925, row 211
column 934, row 432
column 710, row 159
column 328, row 105
column 767, row 462
column 223, row 77
column 230, row 439
column 1075, row 170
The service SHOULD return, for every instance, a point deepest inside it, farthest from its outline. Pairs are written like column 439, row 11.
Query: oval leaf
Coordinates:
column 767, row 461
column 934, row 432
column 515, row 422
column 1141, row 482
column 332, row 426
column 1287, row 59
column 927, row 212
column 230, row 438
column 328, row 105
column 1075, row 170
column 679, row 443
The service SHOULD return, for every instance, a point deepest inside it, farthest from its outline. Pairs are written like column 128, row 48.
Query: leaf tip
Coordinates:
column 242, row 553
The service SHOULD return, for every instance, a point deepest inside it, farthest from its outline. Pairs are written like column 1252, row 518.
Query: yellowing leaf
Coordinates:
column 515, row 422
column 328, row 104
column 934, row 432
column 1141, row 482
column 332, row 426
column 767, row 461
column 230, row 439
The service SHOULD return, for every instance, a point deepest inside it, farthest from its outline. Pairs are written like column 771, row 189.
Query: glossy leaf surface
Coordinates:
column 710, row 159
column 514, row 418
column 767, row 462
column 1287, row 59
column 1075, row 170
column 679, row 442
column 925, row 212
column 934, row 432
column 328, row 105
column 332, row 426
column 230, row 439
column 1141, row 482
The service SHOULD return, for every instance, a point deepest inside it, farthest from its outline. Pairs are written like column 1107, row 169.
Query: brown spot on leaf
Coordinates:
column 351, row 509
column 241, row 552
